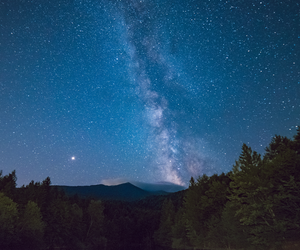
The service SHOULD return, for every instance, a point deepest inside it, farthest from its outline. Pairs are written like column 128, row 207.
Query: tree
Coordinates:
column 251, row 194
column 259, row 192
column 193, row 210
column 203, row 206
column 8, row 184
column 217, row 198
column 163, row 236
column 76, row 215
column 296, row 141
column 277, row 146
column 8, row 222
column 94, row 236
column 179, row 233
column 230, row 231
column 31, row 227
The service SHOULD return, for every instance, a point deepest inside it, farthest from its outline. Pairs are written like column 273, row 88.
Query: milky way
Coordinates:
column 175, row 156
column 148, row 91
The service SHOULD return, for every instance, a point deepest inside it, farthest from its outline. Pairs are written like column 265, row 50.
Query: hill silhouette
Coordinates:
column 123, row 192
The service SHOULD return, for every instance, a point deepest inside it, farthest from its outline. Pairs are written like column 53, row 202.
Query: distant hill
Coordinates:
column 123, row 192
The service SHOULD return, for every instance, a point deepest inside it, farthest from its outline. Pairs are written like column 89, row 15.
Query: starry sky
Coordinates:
column 103, row 91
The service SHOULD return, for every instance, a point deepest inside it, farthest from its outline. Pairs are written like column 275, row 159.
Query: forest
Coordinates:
column 254, row 206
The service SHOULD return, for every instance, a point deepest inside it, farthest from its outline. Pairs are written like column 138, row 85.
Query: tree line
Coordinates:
column 37, row 216
column 255, row 205
column 40, row 216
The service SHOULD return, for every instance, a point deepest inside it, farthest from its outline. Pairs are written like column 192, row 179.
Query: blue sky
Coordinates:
column 147, row 91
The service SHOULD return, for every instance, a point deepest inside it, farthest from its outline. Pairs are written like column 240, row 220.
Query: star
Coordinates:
column 134, row 89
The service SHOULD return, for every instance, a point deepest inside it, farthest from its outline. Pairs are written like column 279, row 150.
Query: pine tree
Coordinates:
column 163, row 236
column 9, row 217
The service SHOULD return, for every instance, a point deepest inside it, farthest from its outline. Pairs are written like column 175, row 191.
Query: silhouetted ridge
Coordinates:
column 125, row 192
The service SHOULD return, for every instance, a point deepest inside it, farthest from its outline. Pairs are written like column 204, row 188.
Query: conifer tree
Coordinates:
column 163, row 236
column 9, row 217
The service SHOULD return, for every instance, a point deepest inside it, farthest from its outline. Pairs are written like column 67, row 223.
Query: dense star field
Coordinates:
column 105, row 91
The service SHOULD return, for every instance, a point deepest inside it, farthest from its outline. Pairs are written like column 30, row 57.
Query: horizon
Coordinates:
column 149, row 187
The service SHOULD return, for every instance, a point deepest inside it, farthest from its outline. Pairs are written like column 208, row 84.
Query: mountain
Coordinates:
column 124, row 192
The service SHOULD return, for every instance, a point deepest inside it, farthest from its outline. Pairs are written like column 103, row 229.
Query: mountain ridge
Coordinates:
column 124, row 192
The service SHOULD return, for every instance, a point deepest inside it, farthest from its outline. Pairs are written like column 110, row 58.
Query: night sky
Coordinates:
column 105, row 91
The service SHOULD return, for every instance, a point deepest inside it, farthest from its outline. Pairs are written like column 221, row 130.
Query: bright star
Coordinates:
column 73, row 158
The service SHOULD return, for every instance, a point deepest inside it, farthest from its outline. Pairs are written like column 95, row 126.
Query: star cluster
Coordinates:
column 143, row 90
